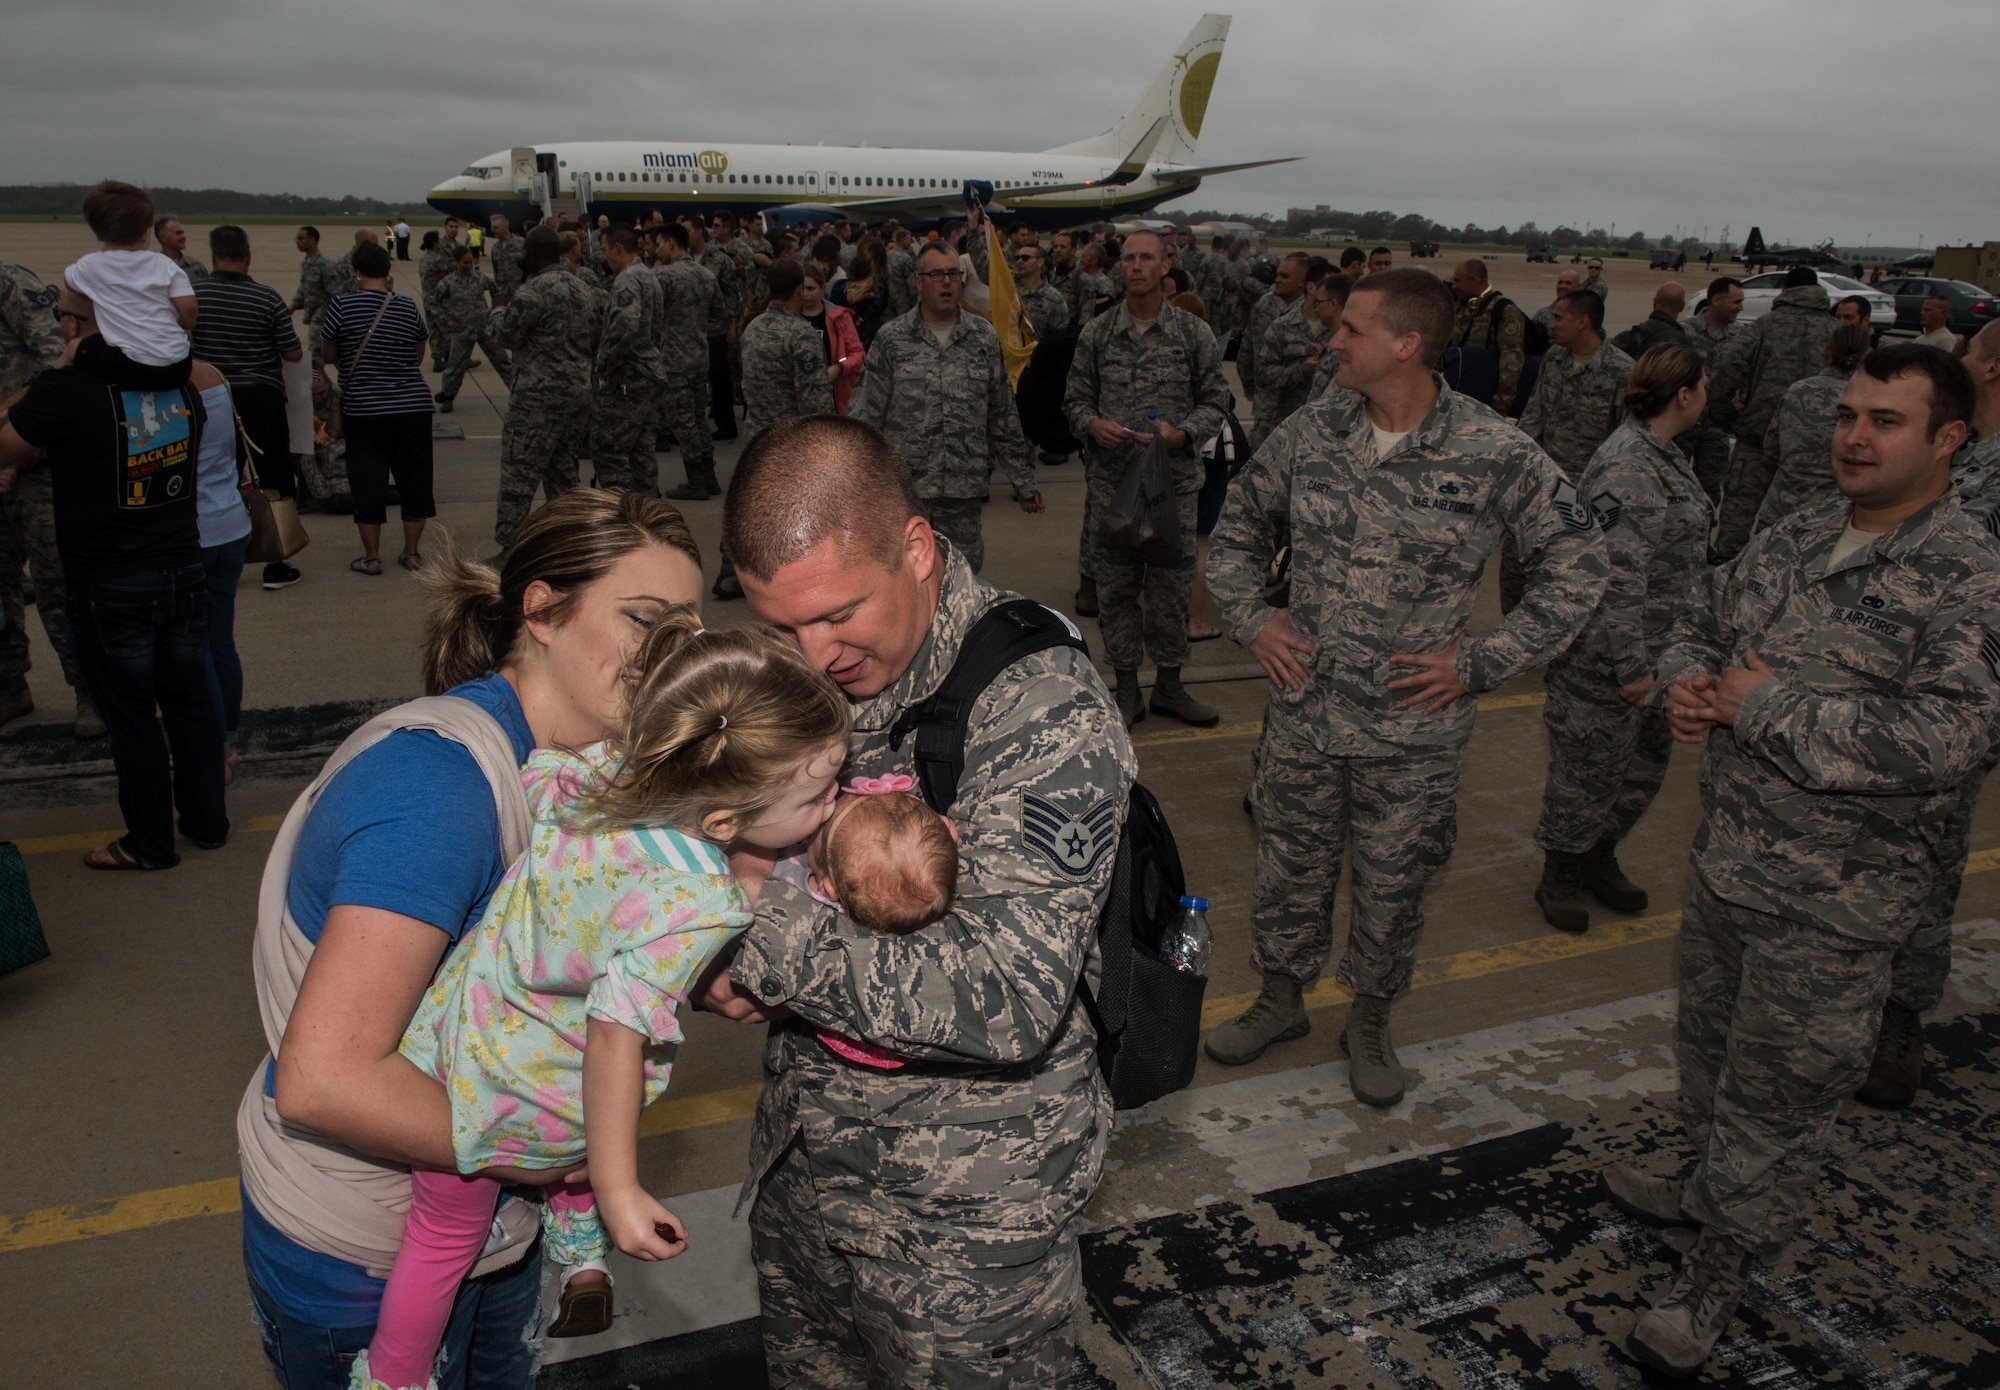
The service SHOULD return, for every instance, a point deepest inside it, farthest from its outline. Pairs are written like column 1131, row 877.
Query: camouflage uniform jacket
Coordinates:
column 195, row 271
column 985, row 1168
column 583, row 270
column 1288, row 342
column 1829, row 800
column 628, row 350
column 902, row 281
column 1975, row 477
column 1655, row 520
column 690, row 300
column 1577, row 402
column 463, row 301
column 948, row 409
column 1800, row 439
column 503, row 263
column 729, row 279
column 1047, row 310
column 1123, row 369
column 1324, row 373
column 316, row 287
column 1496, row 321
column 1747, row 381
column 1387, row 556
column 1595, row 284
column 1706, row 339
column 550, row 325
column 1092, row 288
column 784, row 370
column 432, row 270
column 30, row 340
column 1263, row 314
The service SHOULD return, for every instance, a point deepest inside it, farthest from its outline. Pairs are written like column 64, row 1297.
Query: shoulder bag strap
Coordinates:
column 372, row 325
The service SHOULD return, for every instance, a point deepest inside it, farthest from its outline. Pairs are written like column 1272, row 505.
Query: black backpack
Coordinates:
column 1039, row 395
column 1475, row 371
column 1148, row 1014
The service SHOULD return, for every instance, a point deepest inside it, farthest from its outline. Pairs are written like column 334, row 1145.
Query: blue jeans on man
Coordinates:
column 223, row 567
column 141, row 644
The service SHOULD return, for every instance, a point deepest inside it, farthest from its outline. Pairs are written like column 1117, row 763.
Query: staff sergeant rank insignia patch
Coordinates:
column 1073, row 844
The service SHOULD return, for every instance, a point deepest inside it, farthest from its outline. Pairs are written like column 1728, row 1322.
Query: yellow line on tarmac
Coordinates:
column 91, row 839
column 1250, row 729
column 60, row 1225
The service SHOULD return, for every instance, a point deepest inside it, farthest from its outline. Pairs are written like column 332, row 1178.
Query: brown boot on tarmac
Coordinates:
column 1897, row 1072
column 1560, row 893
column 1605, row 881
column 1278, row 1015
column 1679, row 1334
column 1372, row 1070
column 1171, row 698
column 1131, row 704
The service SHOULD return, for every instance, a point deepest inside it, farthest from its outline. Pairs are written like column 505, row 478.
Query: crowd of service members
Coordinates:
column 1773, row 537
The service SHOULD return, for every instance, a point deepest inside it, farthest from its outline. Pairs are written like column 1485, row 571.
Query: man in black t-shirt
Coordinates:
column 122, row 462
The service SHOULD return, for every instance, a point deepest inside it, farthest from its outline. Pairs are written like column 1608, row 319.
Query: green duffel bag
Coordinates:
column 21, row 939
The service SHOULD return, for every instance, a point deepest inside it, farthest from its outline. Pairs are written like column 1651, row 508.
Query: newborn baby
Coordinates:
column 891, row 864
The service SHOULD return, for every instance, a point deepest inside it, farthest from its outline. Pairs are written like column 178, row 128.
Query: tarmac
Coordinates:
column 1258, row 1229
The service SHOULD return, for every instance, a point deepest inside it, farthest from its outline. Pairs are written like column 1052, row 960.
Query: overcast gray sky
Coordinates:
column 1813, row 118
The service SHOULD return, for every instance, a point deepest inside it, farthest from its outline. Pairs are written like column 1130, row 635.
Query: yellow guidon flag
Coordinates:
column 1010, row 320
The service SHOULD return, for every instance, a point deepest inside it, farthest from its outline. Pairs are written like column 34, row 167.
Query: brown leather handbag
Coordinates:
column 276, row 533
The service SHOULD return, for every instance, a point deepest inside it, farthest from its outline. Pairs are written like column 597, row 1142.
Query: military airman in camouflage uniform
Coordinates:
column 316, row 288
column 1818, row 854
column 1608, row 758
column 1286, row 361
column 1490, row 320
column 784, row 369
column 30, row 343
column 432, row 268
column 629, row 376
column 503, row 261
column 1141, row 376
column 1746, row 386
column 1708, row 443
column 690, row 298
column 1288, row 292
column 1800, row 442
column 1047, row 310
column 1575, row 404
column 551, row 326
column 902, row 280
column 463, row 300
column 918, row 1227
column 725, row 343
column 949, row 410
column 1387, row 555
column 1089, row 288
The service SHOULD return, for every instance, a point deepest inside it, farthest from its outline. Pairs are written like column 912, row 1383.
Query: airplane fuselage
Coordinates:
column 628, row 179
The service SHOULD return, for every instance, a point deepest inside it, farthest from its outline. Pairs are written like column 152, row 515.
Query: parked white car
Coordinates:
column 1760, row 290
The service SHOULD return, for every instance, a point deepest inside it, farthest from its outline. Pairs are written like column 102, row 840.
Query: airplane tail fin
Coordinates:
column 1178, row 97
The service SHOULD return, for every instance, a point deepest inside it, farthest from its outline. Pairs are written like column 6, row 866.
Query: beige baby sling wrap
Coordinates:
column 318, row 1192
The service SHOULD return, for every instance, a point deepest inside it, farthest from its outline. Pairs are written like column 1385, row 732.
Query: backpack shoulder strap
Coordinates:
column 1002, row 636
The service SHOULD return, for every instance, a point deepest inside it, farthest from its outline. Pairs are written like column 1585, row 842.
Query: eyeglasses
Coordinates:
column 1027, row 256
column 952, row 275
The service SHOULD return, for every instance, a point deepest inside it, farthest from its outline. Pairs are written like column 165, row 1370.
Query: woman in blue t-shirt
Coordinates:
column 396, row 860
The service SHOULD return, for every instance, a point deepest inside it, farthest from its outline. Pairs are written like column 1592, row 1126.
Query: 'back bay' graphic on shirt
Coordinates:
column 159, row 447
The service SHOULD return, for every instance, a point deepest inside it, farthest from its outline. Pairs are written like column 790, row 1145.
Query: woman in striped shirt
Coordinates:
column 377, row 340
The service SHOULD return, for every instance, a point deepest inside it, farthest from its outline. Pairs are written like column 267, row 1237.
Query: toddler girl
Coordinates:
column 145, row 307
column 890, row 863
column 557, row 1013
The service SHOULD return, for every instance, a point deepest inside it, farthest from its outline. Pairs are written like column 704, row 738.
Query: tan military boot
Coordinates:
column 1278, row 1015
column 1560, row 893
column 1643, row 1197
column 1898, row 1068
column 1678, row 1335
column 1131, row 704
column 1372, row 1070
column 1605, row 881
column 1171, row 698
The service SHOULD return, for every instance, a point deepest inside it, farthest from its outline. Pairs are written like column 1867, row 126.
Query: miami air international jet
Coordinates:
column 1143, row 161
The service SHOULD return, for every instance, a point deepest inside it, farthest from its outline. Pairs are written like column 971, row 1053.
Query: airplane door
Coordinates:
column 832, row 184
column 523, row 160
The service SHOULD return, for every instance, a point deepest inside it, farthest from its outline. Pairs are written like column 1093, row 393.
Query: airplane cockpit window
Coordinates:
column 479, row 171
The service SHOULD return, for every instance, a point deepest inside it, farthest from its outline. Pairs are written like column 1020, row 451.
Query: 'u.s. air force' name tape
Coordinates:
column 1072, row 843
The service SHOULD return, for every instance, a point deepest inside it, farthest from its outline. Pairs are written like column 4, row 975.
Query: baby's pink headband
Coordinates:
column 878, row 786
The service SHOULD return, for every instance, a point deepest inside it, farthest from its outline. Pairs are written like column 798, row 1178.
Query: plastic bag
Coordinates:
column 1143, row 519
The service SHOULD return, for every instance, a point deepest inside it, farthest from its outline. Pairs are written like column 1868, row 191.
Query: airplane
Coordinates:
column 1144, row 160
column 1756, row 255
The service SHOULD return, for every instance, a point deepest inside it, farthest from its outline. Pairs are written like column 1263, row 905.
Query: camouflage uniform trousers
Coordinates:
column 957, row 520
column 1707, row 446
column 1777, row 1027
column 538, row 445
column 1086, row 538
column 1606, row 759
column 1923, row 963
column 28, row 548
column 1401, row 814
column 1750, row 474
column 833, row 1321
column 621, row 439
column 459, row 356
column 1142, row 609
column 683, row 413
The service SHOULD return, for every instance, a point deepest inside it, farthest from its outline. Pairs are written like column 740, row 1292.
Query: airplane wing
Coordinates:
column 1204, row 170
column 940, row 203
